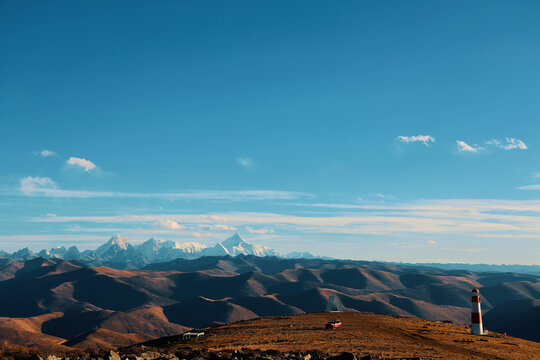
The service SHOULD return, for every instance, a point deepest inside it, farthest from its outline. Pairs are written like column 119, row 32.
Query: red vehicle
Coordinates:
column 333, row 324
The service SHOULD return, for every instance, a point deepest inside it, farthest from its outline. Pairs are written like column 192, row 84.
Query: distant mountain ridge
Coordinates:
column 118, row 253
column 522, row 269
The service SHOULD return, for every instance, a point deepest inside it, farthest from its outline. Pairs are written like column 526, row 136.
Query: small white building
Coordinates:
column 193, row 335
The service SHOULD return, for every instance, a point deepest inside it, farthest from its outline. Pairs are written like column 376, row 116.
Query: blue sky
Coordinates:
column 386, row 130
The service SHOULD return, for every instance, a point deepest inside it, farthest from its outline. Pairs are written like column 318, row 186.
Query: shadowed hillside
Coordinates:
column 69, row 304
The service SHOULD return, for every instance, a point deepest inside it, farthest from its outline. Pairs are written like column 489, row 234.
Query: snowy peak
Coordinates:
column 58, row 251
column 234, row 240
column 119, row 241
column 149, row 247
column 116, row 243
column 190, row 247
column 154, row 247
column 118, row 252
column 306, row 255
column 235, row 245
column 217, row 250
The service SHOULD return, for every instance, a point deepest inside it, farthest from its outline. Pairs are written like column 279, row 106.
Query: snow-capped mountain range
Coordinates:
column 119, row 253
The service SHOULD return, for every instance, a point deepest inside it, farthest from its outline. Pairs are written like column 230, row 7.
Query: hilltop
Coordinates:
column 362, row 335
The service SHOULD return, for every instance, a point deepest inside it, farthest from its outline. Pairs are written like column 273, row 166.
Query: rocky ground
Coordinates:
column 190, row 354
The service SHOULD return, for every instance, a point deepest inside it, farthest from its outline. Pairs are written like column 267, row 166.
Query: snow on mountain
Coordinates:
column 190, row 247
column 150, row 247
column 118, row 252
column 44, row 254
column 235, row 245
column 117, row 242
column 58, row 252
column 216, row 250
column 305, row 255
column 167, row 249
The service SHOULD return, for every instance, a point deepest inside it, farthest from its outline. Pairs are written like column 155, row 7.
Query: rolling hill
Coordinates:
column 68, row 304
column 366, row 336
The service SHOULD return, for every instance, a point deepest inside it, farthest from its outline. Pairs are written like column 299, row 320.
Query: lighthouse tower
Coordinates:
column 476, row 314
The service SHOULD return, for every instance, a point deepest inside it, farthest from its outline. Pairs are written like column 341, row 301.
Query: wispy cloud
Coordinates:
column 32, row 185
column 384, row 196
column 44, row 186
column 218, row 227
column 464, row 147
column 44, row 153
column 87, row 165
column 259, row 231
column 468, row 250
column 168, row 224
column 457, row 217
column 529, row 187
column 203, row 234
column 458, row 225
column 509, row 144
column 246, row 162
column 425, row 139
column 535, row 175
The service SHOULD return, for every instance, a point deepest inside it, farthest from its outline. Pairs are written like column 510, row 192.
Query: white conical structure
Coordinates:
column 476, row 314
column 334, row 304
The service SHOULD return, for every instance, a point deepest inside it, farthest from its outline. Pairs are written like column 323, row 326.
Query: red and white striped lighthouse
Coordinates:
column 476, row 314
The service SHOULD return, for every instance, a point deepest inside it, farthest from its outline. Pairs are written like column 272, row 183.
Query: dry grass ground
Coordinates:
column 362, row 333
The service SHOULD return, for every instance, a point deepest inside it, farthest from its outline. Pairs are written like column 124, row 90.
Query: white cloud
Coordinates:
column 464, row 147
column 467, row 224
column 384, row 196
column 219, row 227
column 530, row 187
column 44, row 153
column 512, row 143
column 87, row 165
column 259, row 231
column 425, row 139
column 199, row 235
column 508, row 144
column 427, row 220
column 168, row 224
column 32, row 185
column 467, row 250
column 37, row 186
column 44, row 186
column 246, row 163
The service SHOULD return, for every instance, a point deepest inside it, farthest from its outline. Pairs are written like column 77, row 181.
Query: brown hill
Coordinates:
column 78, row 306
column 362, row 334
